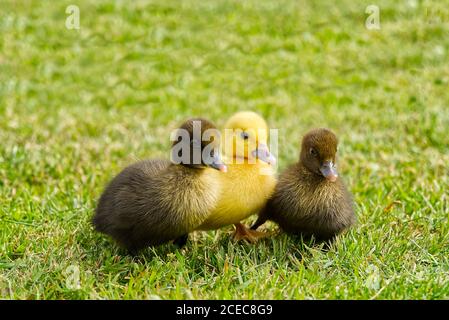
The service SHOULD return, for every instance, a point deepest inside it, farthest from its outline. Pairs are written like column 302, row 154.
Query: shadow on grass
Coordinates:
column 212, row 250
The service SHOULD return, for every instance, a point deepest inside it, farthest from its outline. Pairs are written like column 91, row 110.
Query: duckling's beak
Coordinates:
column 329, row 171
column 218, row 164
column 264, row 154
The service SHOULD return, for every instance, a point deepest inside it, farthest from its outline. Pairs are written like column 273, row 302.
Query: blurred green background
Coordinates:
column 78, row 105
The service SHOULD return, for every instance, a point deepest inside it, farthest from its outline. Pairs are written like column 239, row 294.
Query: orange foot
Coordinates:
column 243, row 233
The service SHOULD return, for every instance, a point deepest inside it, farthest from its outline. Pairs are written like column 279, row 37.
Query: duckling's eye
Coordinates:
column 244, row 135
column 313, row 152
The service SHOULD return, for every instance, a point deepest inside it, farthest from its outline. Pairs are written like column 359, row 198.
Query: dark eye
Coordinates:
column 244, row 135
column 313, row 152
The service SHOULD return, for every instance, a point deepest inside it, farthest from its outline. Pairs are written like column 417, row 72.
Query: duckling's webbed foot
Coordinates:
column 181, row 241
column 243, row 233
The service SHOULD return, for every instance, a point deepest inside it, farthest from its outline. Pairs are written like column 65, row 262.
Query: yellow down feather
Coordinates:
column 249, row 182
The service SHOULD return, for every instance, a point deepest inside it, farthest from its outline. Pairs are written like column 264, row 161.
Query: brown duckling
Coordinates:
column 155, row 201
column 310, row 198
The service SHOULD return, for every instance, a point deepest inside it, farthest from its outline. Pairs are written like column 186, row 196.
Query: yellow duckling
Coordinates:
column 250, row 179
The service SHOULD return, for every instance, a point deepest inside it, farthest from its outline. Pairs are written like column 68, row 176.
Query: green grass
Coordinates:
column 77, row 106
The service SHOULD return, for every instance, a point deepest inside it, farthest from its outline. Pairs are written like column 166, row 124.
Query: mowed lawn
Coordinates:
column 76, row 106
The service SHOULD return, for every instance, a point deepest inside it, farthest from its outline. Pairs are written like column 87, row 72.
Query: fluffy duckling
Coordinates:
column 250, row 179
column 310, row 198
column 154, row 201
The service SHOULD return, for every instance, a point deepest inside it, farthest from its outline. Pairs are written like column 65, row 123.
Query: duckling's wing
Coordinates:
column 119, row 203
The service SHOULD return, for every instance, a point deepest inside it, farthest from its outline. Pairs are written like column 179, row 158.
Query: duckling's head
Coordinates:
column 246, row 138
column 196, row 144
column 318, row 153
